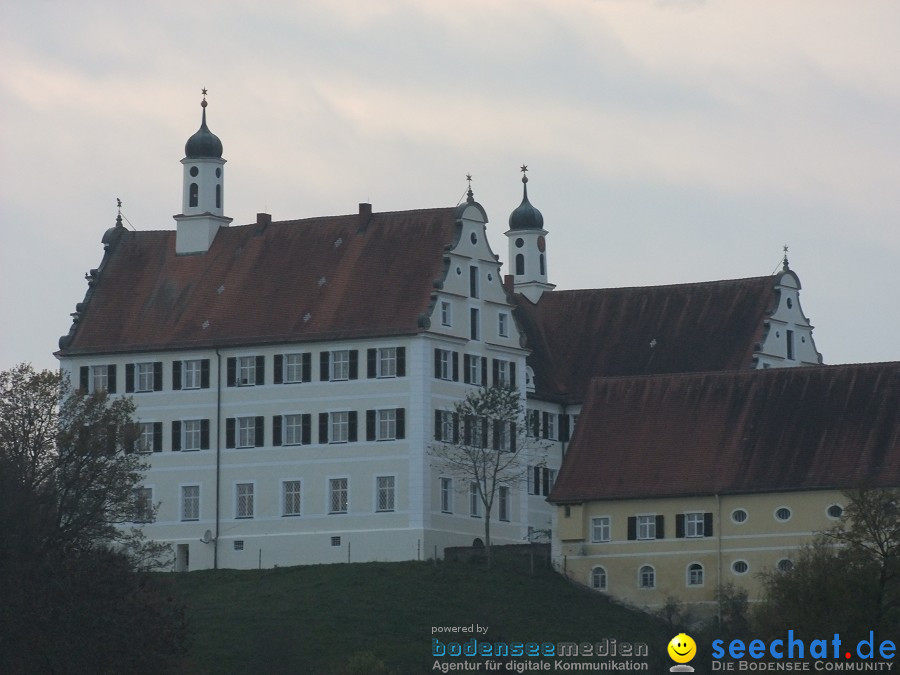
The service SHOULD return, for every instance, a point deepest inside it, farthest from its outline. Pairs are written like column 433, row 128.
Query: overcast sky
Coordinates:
column 668, row 141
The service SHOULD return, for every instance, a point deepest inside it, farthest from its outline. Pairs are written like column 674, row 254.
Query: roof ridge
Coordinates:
column 687, row 283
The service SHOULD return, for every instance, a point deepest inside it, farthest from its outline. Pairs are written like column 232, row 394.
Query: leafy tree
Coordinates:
column 77, row 596
column 485, row 445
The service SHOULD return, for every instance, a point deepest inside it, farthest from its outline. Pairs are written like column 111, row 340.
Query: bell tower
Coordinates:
column 528, row 247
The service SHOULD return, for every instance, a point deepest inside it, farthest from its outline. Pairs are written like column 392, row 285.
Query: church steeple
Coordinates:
column 203, row 190
column 528, row 247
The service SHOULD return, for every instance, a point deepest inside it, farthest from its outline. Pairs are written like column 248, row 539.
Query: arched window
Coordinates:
column 598, row 578
column 541, row 260
column 520, row 264
column 193, row 195
column 695, row 574
column 218, row 196
column 647, row 577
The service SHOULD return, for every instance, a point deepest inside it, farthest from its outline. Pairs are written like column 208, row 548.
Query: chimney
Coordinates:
column 509, row 284
column 263, row 220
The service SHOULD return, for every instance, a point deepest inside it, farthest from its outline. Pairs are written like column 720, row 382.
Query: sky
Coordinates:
column 668, row 141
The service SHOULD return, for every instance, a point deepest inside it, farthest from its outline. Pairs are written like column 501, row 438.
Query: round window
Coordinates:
column 740, row 567
column 790, row 303
column 739, row 515
column 520, row 242
column 194, row 171
column 835, row 511
column 218, row 173
column 490, row 277
column 458, row 270
column 474, row 238
column 542, row 244
column 783, row 513
column 785, row 565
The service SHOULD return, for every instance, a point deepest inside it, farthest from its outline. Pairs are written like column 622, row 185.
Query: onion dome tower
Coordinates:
column 528, row 247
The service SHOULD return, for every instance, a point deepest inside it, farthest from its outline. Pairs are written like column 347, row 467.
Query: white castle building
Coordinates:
column 290, row 376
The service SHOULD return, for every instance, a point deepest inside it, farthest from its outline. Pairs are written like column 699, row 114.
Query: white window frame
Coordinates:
column 143, row 377
column 601, row 529
column 339, row 365
column 503, row 367
column 99, row 378
column 475, row 369
column 445, row 359
column 694, row 578
column 244, row 498
column 503, row 324
column 694, row 525
column 192, row 435
column 446, row 495
column 385, row 493
column 245, row 432
column 646, row 577
column 599, row 578
column 474, row 323
column 190, row 503
column 143, row 511
column 191, row 373
column 646, row 527
column 246, row 371
column 144, row 441
column 446, row 426
column 552, row 433
column 292, row 497
column 292, row 429
column 446, row 313
column 338, row 495
column 292, row 368
column 503, row 503
column 386, row 424
column 474, row 500
column 387, row 362
column 339, row 426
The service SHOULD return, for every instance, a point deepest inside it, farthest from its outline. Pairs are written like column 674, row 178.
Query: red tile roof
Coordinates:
column 735, row 432
column 313, row 279
column 577, row 335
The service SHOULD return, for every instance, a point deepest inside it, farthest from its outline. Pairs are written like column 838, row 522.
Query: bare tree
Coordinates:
column 482, row 441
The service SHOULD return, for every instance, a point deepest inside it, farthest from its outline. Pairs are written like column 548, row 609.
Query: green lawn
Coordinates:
column 355, row 617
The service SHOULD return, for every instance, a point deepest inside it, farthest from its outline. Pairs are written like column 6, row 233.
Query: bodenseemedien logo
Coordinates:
column 682, row 649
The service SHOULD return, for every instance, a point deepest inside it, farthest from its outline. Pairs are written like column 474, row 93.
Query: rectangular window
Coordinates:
column 473, row 281
column 99, row 379
column 340, row 365
column 190, row 502
column 290, row 498
column 246, row 432
column 191, row 433
column 387, row 362
column 446, row 495
column 600, row 529
column 533, row 423
column 693, row 524
column 474, row 324
column 501, row 373
column 145, row 437
column 503, row 497
column 551, row 431
column 474, row 501
column 293, row 368
column 385, row 489
column 293, row 429
column 646, row 527
column 190, row 374
column 540, row 480
column 337, row 492
column 474, row 369
column 340, row 427
column 244, row 500
column 446, row 313
column 790, row 344
column 503, row 324
column 444, row 427
column 387, row 424
column 246, row 375
column 143, row 505
column 143, row 374
column 444, row 364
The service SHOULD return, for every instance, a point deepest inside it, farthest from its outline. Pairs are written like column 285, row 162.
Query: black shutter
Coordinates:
column 129, row 378
column 204, row 434
column 323, row 427
column 456, row 366
column 456, row 427
column 401, row 361
column 512, row 374
column 306, row 360
column 483, row 423
column 111, row 378
column 495, row 372
column 176, row 436
column 484, row 380
column 229, row 432
column 83, row 379
column 260, row 370
column 354, row 364
column 278, row 370
column 305, row 431
column 467, row 430
column 351, row 433
column 401, row 423
column 370, row 425
column 111, row 439
column 467, row 360
column 276, row 430
column 157, row 437
column 495, row 434
column 437, row 363
column 157, row 376
column 231, row 368
column 176, row 375
column 323, row 366
column 438, row 426
column 371, row 363
column 660, row 527
column 204, row 373
column 707, row 524
column 564, row 428
column 679, row 526
column 260, row 435
column 632, row 528
column 545, row 426
column 512, row 436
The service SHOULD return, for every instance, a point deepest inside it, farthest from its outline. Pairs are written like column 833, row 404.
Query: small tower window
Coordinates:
column 193, row 195
column 218, row 196
column 194, row 171
column 541, row 261
column 218, row 173
column 790, row 344
column 520, row 264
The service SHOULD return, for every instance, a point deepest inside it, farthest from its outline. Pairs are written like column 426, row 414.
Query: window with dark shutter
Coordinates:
column 324, row 374
column 679, row 526
column 512, row 436
column 354, row 364
column 456, row 366
column 660, row 527
column 278, row 369
column 204, row 434
column 401, row 423
column 564, row 428
column 83, row 382
column 305, row 430
column 176, row 436
column 260, row 370
column 157, row 437
column 129, row 378
column 260, row 432
column 176, row 375
column 323, row 427
column 545, row 426
column 111, row 378
column 707, row 524
column 632, row 528
column 351, row 432
column 204, row 374
column 276, row 429
column 370, row 425
column 401, row 361
column 371, row 363
column 157, row 376
column 467, row 361
column 231, row 372
column 512, row 374
column 229, row 432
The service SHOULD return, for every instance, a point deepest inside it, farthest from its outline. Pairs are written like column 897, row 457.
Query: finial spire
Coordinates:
column 524, row 171
column 470, row 196
column 119, row 216
column 784, row 261
column 203, row 102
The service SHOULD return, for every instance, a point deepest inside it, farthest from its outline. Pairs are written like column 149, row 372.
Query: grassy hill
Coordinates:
column 378, row 617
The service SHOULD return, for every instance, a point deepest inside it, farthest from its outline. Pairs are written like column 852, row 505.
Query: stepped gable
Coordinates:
column 819, row 427
column 327, row 278
column 580, row 334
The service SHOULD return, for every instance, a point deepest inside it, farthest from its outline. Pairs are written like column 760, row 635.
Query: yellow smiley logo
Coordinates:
column 682, row 648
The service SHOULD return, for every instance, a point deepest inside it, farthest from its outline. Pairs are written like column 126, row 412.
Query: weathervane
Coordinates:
column 524, row 171
column 470, row 196
column 119, row 215
column 784, row 262
column 203, row 102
